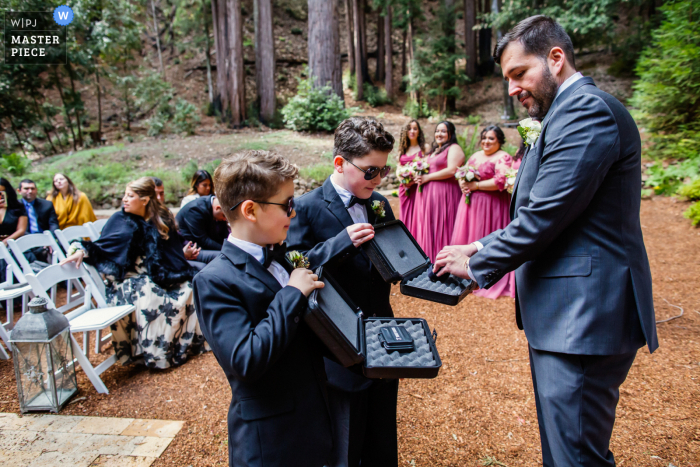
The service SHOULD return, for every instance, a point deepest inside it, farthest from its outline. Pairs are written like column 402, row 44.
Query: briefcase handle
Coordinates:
column 435, row 335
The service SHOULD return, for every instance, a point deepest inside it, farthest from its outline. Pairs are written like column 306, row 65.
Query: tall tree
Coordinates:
column 236, row 69
column 379, row 70
column 359, row 75
column 389, row 50
column 218, row 13
column 324, row 45
column 448, row 29
column 350, row 35
column 470, row 37
column 265, row 59
column 486, row 63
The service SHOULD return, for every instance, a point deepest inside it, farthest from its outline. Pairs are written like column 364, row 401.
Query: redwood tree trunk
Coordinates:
column 324, row 45
column 470, row 37
column 350, row 35
column 359, row 95
column 379, row 71
column 218, row 11
column 236, row 70
column 448, row 28
column 389, row 48
column 363, row 35
column 265, row 59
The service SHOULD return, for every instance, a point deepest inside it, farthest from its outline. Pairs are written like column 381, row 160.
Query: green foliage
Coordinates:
column 318, row 172
column 15, row 164
column 691, row 190
column 186, row 117
column 375, row 96
column 350, row 82
column 470, row 145
column 693, row 213
column 314, row 108
column 415, row 110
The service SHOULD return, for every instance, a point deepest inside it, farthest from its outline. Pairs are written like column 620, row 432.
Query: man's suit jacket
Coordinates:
column 319, row 231
column 197, row 224
column 45, row 215
column 583, row 284
column 279, row 414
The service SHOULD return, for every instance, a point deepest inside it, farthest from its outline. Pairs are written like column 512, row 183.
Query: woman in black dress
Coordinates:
column 13, row 216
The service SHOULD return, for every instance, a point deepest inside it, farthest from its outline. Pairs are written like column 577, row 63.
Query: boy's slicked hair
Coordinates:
column 357, row 136
column 538, row 35
column 255, row 175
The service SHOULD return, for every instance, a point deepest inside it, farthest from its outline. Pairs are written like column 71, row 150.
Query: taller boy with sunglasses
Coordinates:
column 332, row 223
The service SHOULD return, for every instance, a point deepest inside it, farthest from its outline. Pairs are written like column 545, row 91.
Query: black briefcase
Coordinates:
column 354, row 339
column 398, row 258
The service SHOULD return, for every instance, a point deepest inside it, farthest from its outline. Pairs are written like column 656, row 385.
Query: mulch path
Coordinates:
column 481, row 406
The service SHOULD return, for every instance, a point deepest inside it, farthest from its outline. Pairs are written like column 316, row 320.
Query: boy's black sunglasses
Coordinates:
column 372, row 172
column 289, row 205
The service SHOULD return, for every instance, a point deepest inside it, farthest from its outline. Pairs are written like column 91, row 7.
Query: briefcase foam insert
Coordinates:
column 450, row 286
column 398, row 248
column 378, row 356
column 339, row 312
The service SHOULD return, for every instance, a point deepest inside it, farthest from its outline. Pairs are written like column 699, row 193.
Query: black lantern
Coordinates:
column 43, row 357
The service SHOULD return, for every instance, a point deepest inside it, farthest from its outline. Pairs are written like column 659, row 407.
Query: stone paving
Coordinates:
column 57, row 440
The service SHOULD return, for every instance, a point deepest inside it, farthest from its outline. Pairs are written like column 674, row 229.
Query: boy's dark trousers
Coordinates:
column 279, row 414
column 363, row 409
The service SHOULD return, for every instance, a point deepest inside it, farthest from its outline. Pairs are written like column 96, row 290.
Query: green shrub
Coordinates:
column 318, row 172
column 297, row 31
column 414, row 109
column 691, row 190
column 185, row 118
column 350, row 82
column 693, row 213
column 188, row 170
column 156, row 124
column 375, row 96
column 314, row 108
column 15, row 164
column 470, row 145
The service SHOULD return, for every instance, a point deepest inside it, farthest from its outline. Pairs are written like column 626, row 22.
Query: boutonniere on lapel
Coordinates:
column 298, row 260
column 378, row 208
column 529, row 130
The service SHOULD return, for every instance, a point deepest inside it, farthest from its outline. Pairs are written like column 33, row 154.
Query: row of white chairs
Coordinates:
column 79, row 308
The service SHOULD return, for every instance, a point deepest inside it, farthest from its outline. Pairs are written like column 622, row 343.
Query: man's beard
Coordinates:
column 543, row 96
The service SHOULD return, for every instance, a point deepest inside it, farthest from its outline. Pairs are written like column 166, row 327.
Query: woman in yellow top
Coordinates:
column 72, row 206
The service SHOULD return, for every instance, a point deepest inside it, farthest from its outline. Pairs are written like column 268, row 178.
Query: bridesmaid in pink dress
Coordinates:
column 411, row 145
column 436, row 206
column 489, row 202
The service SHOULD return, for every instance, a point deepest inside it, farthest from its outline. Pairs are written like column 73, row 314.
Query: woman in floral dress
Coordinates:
column 489, row 202
column 141, row 255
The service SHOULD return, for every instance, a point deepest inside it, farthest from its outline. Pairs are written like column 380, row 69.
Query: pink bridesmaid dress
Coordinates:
column 488, row 211
column 436, row 208
column 407, row 196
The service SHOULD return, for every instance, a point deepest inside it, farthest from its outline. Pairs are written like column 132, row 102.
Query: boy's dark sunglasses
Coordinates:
column 289, row 205
column 372, row 172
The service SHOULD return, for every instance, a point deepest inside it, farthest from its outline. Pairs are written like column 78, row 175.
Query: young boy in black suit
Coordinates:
column 332, row 222
column 250, row 304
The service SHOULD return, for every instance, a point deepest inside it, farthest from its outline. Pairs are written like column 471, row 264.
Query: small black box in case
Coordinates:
column 354, row 339
column 398, row 257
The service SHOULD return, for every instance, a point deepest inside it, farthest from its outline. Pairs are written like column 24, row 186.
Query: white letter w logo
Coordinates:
column 63, row 15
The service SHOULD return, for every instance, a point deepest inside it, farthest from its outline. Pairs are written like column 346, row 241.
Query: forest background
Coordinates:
column 148, row 70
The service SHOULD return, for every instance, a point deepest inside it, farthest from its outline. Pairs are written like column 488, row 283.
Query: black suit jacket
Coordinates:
column 279, row 414
column 45, row 215
column 197, row 224
column 319, row 231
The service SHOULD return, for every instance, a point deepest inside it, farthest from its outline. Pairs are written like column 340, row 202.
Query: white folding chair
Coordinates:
column 83, row 319
column 27, row 242
column 97, row 227
column 6, row 340
column 11, row 289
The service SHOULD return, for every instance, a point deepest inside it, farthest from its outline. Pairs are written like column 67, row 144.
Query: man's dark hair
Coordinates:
column 357, row 136
column 26, row 180
column 538, row 35
column 157, row 181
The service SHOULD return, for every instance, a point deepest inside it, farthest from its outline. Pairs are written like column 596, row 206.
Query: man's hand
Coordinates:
column 305, row 280
column 467, row 250
column 451, row 260
column 360, row 233
column 191, row 251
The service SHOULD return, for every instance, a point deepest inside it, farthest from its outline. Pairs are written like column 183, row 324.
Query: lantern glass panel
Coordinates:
column 64, row 372
column 34, row 373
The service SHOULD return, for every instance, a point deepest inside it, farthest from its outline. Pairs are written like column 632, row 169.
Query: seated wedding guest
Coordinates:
column 200, row 185
column 71, row 205
column 13, row 215
column 160, row 190
column 411, row 144
column 145, row 264
column 41, row 216
column 203, row 222
column 250, row 301
column 489, row 202
column 439, row 194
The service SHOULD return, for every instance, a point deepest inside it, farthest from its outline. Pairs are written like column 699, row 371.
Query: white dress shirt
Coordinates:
column 256, row 251
column 358, row 212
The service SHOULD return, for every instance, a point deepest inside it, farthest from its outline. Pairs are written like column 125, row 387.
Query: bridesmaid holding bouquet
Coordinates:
column 436, row 205
column 488, row 209
column 411, row 144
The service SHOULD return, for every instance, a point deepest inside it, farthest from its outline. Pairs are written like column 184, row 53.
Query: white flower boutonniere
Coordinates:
column 378, row 208
column 298, row 260
column 529, row 130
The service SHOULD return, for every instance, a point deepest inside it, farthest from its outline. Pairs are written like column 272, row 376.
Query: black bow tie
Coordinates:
column 355, row 200
column 277, row 254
